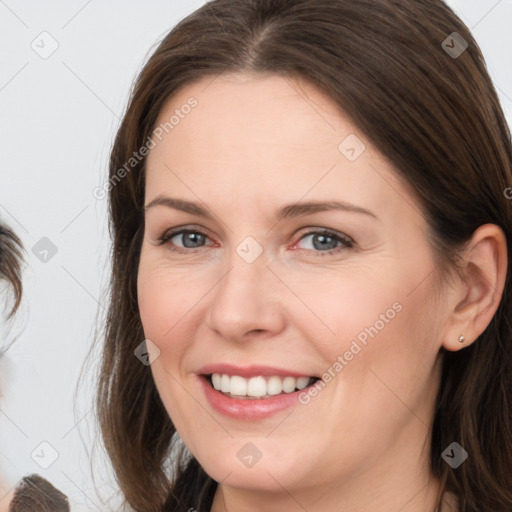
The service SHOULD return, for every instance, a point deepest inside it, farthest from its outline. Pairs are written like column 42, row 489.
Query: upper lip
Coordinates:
column 250, row 371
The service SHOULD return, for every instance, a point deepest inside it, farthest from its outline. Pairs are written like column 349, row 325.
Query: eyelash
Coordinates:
column 346, row 242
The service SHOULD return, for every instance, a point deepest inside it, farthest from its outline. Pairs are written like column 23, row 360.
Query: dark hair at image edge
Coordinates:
column 438, row 120
column 11, row 254
column 35, row 494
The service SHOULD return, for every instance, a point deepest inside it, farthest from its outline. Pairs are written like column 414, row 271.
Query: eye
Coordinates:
column 323, row 242
column 191, row 240
column 327, row 242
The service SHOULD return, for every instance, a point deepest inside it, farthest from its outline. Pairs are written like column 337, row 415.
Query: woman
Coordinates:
column 339, row 338
column 32, row 493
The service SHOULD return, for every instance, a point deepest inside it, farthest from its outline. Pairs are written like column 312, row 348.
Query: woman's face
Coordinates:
column 266, row 285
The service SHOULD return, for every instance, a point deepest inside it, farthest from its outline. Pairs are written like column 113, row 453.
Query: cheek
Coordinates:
column 166, row 300
column 157, row 305
column 392, row 373
column 167, row 296
column 346, row 304
column 381, row 323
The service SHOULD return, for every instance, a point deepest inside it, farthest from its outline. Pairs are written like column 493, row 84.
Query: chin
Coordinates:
column 261, row 477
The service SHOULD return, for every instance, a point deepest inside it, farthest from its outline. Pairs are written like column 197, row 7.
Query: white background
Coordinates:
column 58, row 117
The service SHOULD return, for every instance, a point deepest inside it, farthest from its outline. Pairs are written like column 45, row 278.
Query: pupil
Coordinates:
column 193, row 238
column 322, row 239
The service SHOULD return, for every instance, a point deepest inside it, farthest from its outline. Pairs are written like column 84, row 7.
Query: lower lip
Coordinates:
column 247, row 409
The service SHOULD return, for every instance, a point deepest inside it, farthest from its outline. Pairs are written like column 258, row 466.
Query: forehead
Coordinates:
column 259, row 134
column 238, row 112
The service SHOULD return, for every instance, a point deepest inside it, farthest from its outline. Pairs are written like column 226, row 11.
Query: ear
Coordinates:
column 477, row 295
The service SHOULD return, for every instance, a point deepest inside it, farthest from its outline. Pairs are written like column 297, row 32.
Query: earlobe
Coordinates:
column 481, row 287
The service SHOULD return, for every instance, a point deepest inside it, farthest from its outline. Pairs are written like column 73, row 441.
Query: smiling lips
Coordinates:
column 252, row 393
column 259, row 386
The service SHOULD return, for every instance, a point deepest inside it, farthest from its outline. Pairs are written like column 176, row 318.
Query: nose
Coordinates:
column 247, row 302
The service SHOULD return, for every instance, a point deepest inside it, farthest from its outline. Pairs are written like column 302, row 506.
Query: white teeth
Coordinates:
column 238, row 386
column 302, row 382
column 225, row 385
column 258, row 387
column 274, row 386
column 289, row 384
column 216, row 379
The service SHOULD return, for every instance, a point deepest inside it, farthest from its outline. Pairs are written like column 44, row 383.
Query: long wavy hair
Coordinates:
column 434, row 114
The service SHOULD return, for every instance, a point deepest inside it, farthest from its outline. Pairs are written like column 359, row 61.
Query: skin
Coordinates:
column 253, row 144
column 7, row 497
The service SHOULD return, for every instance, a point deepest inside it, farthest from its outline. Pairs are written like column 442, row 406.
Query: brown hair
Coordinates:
column 438, row 120
column 10, row 264
column 35, row 494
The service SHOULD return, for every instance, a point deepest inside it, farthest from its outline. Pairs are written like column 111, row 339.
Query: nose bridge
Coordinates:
column 244, row 299
column 247, row 267
column 246, row 283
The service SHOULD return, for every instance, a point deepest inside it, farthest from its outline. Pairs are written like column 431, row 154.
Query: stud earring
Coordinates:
column 461, row 338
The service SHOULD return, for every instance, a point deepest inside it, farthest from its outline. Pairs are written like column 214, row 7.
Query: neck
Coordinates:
column 335, row 498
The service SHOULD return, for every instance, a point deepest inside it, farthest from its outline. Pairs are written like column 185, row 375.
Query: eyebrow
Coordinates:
column 288, row 211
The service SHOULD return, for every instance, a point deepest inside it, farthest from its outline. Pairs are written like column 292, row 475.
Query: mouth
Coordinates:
column 260, row 387
column 255, row 392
